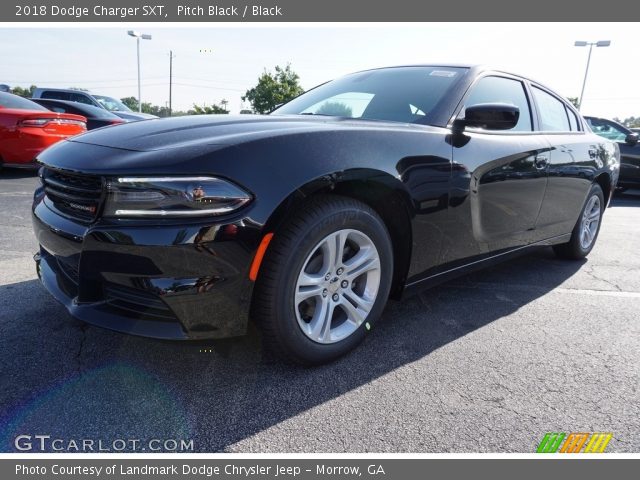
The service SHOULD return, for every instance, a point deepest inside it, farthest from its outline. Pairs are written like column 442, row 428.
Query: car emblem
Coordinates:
column 84, row 208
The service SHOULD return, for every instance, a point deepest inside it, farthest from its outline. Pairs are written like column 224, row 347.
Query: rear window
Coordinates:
column 8, row 100
column 573, row 121
column 86, row 110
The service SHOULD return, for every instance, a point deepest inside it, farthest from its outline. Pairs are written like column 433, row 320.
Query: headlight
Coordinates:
column 172, row 197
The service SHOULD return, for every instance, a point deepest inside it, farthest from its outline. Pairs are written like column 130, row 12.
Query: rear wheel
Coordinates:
column 324, row 281
column 585, row 233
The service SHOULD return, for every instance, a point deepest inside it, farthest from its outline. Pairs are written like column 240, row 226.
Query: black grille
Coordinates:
column 138, row 302
column 78, row 196
column 70, row 270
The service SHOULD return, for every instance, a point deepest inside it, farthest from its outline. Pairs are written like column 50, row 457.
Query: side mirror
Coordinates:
column 489, row 116
column 632, row 139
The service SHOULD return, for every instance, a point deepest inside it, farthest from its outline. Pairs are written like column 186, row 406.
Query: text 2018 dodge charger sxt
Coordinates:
column 308, row 219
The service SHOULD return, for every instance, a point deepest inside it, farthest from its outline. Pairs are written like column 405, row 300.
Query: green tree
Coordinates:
column 337, row 109
column 630, row 122
column 273, row 89
column 574, row 101
column 24, row 92
column 207, row 110
column 156, row 110
column 159, row 111
column 131, row 102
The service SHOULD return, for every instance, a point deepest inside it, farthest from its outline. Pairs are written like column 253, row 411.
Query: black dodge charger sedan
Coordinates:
column 307, row 220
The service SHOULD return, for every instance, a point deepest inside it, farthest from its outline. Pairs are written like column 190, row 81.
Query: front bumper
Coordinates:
column 165, row 281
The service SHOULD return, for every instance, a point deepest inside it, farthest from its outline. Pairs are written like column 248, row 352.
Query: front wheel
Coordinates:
column 585, row 233
column 324, row 281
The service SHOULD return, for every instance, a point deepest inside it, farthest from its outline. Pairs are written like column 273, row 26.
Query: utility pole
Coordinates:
column 171, row 57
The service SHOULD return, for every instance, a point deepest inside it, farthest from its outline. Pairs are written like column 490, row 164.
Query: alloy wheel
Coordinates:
column 337, row 286
column 590, row 222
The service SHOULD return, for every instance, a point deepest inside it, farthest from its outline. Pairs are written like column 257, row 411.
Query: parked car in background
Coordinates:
column 96, row 117
column 111, row 104
column 27, row 128
column 635, row 130
column 627, row 140
column 308, row 219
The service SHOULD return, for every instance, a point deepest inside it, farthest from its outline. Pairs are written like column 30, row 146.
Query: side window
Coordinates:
column 80, row 98
column 503, row 90
column 55, row 95
column 553, row 114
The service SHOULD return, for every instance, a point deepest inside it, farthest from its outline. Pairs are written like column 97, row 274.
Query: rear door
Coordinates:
column 574, row 157
column 498, row 183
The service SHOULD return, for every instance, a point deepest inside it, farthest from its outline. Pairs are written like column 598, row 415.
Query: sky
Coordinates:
column 222, row 61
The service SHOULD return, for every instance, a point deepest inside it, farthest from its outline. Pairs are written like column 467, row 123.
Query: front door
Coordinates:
column 498, row 180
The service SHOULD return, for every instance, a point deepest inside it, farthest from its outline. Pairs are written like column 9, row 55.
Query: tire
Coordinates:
column 582, row 242
column 299, row 283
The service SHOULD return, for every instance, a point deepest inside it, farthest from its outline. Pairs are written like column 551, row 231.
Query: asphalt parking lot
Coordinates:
column 486, row 363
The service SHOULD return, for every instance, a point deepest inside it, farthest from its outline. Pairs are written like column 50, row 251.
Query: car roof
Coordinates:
column 68, row 90
column 474, row 68
column 420, row 65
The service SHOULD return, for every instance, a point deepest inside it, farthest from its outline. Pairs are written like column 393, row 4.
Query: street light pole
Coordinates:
column 139, row 85
column 171, row 57
column 599, row 43
column 138, row 36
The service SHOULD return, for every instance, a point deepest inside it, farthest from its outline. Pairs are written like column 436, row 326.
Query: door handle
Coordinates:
column 541, row 161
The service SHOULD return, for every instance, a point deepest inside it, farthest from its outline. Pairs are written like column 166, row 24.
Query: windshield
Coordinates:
column 609, row 130
column 111, row 104
column 7, row 100
column 402, row 94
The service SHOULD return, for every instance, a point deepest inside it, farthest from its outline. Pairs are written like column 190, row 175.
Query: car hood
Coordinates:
column 199, row 130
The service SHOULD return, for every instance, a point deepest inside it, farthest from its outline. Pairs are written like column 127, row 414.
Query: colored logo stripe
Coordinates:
column 574, row 442
column 550, row 443
column 598, row 443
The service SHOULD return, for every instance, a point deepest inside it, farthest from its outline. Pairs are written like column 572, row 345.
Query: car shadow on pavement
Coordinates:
column 73, row 381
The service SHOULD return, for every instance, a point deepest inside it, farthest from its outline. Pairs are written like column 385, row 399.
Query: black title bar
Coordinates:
column 311, row 11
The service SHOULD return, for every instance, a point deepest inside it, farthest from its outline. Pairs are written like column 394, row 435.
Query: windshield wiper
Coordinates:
column 321, row 114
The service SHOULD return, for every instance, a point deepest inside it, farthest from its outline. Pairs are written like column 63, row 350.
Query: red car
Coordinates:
column 27, row 128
